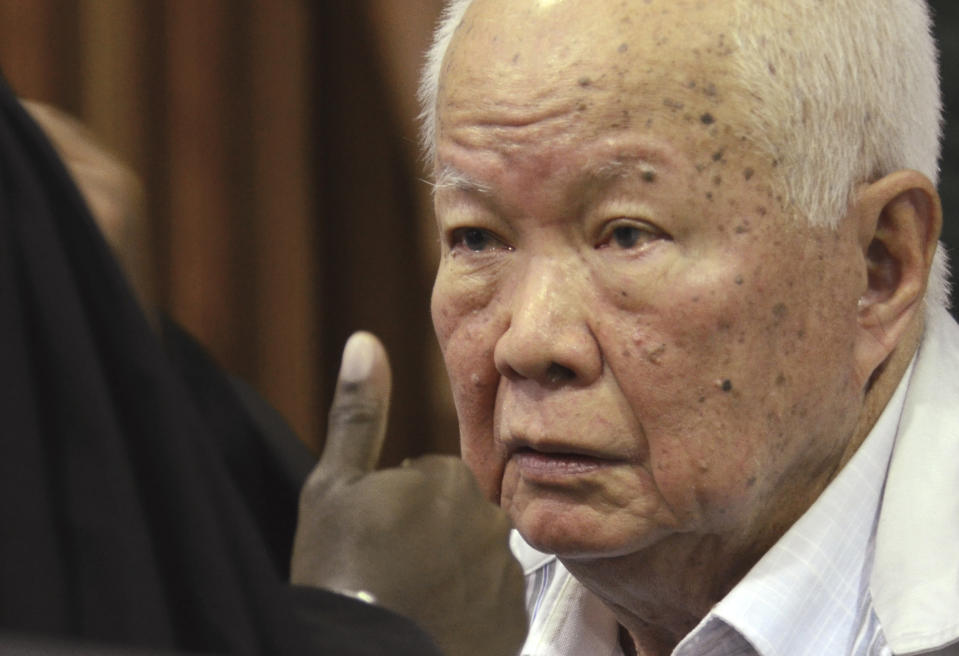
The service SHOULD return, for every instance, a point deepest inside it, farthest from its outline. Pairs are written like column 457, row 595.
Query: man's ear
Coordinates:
column 900, row 217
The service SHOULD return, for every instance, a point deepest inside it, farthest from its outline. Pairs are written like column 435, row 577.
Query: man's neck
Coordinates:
column 682, row 578
column 883, row 385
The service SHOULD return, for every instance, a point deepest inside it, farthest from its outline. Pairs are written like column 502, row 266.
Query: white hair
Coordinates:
column 846, row 91
column 429, row 89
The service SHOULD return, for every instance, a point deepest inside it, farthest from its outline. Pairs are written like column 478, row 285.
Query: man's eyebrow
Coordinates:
column 617, row 168
column 624, row 167
column 449, row 177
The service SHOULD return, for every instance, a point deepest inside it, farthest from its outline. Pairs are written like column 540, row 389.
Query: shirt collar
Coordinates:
column 916, row 566
column 811, row 587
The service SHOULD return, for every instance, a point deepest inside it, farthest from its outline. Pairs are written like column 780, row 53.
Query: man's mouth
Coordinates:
column 542, row 465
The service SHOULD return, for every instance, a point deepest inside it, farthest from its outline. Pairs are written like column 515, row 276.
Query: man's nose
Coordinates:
column 549, row 338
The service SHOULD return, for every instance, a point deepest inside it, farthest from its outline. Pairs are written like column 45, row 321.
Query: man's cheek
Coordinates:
column 459, row 298
column 444, row 321
column 485, row 460
column 467, row 328
column 467, row 336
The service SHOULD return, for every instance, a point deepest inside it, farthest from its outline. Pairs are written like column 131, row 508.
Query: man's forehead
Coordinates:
column 578, row 26
column 518, row 89
column 543, row 53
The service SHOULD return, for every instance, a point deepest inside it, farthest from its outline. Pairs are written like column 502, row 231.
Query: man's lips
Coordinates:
column 555, row 463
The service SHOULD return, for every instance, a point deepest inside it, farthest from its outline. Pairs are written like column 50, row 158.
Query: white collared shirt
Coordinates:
column 808, row 595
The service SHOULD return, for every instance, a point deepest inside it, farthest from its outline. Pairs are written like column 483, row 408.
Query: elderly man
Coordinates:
column 685, row 247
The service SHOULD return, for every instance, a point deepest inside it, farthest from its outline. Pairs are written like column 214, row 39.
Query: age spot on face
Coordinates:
column 655, row 355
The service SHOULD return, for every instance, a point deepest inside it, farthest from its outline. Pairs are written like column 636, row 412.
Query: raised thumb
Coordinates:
column 357, row 418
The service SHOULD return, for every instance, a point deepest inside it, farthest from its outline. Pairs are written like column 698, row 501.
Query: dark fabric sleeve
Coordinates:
column 121, row 520
column 266, row 462
column 366, row 629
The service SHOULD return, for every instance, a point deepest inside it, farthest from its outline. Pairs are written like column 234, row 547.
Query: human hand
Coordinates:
column 421, row 539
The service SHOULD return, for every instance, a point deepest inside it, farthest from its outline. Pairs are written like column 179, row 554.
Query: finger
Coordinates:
column 357, row 419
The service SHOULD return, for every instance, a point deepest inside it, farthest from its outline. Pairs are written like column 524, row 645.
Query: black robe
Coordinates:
column 137, row 507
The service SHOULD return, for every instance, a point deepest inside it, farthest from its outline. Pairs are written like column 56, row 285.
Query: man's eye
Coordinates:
column 627, row 236
column 630, row 235
column 475, row 239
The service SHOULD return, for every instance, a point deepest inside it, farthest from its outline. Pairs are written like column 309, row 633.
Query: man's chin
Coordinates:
column 568, row 539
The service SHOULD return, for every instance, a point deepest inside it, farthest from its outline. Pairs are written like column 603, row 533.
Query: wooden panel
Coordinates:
column 38, row 50
column 202, row 218
column 403, row 32
column 287, row 331
column 112, row 62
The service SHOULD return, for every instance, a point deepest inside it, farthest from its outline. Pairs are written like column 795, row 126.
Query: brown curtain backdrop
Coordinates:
column 277, row 143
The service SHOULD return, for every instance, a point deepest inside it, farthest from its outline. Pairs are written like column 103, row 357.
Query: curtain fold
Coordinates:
column 285, row 203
